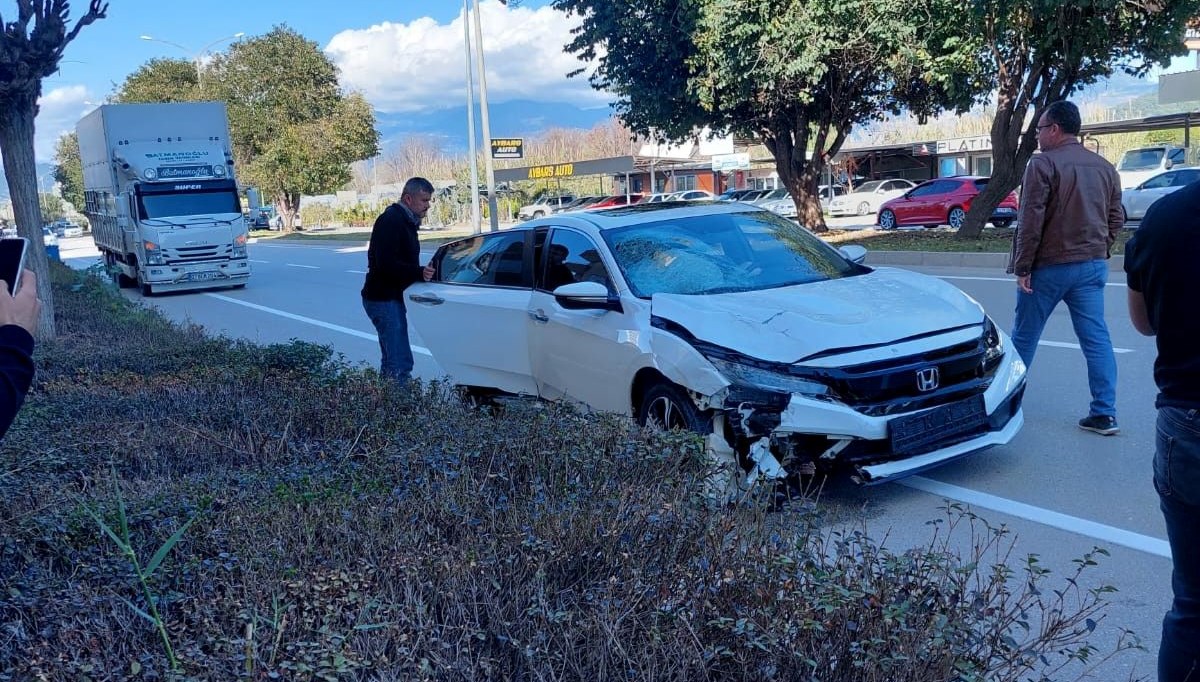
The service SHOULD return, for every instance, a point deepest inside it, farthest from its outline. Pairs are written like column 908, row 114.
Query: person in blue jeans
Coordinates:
column 393, row 264
column 1161, row 270
column 1070, row 216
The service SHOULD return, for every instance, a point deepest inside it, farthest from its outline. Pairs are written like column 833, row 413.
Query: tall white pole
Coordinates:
column 493, row 215
column 473, row 154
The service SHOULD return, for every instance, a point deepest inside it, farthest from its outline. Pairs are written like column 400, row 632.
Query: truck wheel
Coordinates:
column 125, row 281
column 146, row 290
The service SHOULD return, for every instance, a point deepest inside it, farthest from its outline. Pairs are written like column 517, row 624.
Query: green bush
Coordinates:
column 344, row 529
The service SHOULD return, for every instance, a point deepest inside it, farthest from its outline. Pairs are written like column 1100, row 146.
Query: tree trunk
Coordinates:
column 288, row 205
column 806, row 198
column 16, row 148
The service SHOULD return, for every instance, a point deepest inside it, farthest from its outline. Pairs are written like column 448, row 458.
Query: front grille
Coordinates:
column 197, row 254
column 890, row 386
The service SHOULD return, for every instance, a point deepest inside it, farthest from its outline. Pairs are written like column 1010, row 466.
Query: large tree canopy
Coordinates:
column 31, row 46
column 796, row 74
column 68, row 169
column 160, row 80
column 1033, row 52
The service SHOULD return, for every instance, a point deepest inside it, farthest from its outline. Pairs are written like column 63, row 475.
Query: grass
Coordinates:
column 993, row 240
column 306, row 521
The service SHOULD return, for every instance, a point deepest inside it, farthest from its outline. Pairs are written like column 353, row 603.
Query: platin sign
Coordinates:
column 508, row 148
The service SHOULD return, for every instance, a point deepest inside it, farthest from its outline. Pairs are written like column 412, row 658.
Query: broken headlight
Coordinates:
column 993, row 349
column 768, row 380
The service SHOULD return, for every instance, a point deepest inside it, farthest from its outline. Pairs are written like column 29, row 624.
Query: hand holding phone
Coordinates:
column 24, row 308
column 12, row 262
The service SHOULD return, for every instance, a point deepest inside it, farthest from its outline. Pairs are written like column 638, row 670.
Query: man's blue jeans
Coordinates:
column 391, row 325
column 1081, row 286
column 1177, row 479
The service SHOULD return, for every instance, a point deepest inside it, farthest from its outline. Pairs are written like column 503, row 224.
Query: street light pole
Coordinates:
column 198, row 56
column 472, row 153
column 493, row 216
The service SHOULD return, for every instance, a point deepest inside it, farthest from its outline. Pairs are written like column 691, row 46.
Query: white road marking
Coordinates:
column 1006, row 279
column 258, row 261
column 309, row 320
column 1063, row 344
column 297, row 265
column 1072, row 524
column 351, row 249
column 356, row 272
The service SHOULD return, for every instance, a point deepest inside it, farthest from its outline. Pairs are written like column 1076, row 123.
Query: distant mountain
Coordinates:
column 507, row 119
column 45, row 171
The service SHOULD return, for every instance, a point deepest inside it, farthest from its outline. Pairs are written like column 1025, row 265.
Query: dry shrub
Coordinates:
column 348, row 530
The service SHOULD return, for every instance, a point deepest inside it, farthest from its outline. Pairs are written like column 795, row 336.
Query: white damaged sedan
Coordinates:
column 725, row 319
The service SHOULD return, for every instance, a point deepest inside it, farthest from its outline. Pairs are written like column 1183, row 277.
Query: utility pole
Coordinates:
column 493, row 214
column 473, row 154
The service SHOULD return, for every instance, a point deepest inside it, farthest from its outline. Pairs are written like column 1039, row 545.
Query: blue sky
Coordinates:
column 405, row 56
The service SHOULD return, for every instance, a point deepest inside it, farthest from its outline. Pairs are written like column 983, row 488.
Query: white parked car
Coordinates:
column 787, row 208
column 692, row 195
column 544, row 206
column 868, row 197
column 730, row 321
column 1136, row 200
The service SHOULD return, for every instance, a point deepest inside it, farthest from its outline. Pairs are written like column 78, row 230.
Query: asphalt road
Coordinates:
column 1060, row 490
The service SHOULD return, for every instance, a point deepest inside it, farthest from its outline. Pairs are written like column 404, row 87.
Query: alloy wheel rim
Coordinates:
column 663, row 413
column 956, row 218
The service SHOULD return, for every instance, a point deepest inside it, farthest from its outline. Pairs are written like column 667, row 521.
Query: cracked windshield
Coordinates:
column 723, row 253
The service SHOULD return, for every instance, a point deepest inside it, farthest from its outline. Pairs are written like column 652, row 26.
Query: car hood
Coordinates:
column 790, row 324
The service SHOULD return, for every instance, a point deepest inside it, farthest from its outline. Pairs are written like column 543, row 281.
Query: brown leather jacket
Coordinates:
column 1070, row 209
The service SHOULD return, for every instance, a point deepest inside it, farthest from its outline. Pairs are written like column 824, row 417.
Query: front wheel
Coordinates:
column 864, row 208
column 668, row 407
column 887, row 220
column 538, row 214
column 956, row 217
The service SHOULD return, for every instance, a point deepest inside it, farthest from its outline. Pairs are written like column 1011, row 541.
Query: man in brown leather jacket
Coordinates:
column 1070, row 216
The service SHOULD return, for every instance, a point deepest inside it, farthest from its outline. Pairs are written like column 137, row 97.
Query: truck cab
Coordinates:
column 160, row 194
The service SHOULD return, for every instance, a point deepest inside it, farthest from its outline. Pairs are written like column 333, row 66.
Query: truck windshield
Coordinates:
column 195, row 202
column 1140, row 159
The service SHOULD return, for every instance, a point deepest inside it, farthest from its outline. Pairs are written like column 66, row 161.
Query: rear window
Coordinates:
column 981, row 183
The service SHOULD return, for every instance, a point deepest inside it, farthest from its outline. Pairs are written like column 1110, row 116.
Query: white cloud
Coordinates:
column 58, row 111
column 420, row 66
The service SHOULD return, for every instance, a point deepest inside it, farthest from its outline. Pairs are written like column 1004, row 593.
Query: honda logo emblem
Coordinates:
column 928, row 379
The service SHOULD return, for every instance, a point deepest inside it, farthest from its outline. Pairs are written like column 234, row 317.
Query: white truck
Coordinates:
column 160, row 192
column 1139, row 165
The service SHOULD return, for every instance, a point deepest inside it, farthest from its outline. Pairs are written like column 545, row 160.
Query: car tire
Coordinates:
column 931, row 227
column 956, row 217
column 887, row 220
column 864, row 208
column 539, row 214
column 667, row 406
column 1003, row 223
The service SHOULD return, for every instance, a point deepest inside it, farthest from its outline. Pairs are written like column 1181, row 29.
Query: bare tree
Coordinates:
column 30, row 50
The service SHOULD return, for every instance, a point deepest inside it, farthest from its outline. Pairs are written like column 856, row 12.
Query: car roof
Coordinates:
column 638, row 214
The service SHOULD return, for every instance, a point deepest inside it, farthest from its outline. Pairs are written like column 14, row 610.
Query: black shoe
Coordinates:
column 1105, row 426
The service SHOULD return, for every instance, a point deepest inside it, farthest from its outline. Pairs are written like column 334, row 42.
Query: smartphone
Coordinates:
column 12, row 262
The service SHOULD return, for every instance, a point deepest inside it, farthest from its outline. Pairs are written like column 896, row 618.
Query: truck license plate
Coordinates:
column 203, row 276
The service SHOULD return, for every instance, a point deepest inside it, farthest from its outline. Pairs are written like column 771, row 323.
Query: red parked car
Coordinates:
column 943, row 201
column 616, row 200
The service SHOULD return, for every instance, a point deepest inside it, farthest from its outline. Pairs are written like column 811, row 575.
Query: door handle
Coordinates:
column 431, row 299
column 539, row 316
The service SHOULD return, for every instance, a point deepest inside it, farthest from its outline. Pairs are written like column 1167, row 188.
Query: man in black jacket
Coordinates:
column 393, row 263
column 18, row 322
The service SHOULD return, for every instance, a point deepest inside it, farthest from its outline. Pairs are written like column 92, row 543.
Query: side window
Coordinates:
column 494, row 259
column 926, row 189
column 571, row 257
column 1183, row 178
column 1178, row 156
column 1159, row 181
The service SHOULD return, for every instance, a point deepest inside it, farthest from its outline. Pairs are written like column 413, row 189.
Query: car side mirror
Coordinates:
column 586, row 296
column 1169, row 164
column 854, row 253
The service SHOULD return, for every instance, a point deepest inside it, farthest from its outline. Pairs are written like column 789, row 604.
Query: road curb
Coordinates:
column 957, row 259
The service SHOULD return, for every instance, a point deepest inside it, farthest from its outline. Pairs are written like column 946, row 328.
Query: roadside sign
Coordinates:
column 508, row 148
column 728, row 162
